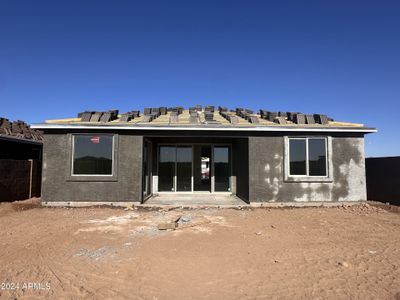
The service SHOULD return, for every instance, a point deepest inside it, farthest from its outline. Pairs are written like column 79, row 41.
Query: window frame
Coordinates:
column 306, row 177
column 93, row 177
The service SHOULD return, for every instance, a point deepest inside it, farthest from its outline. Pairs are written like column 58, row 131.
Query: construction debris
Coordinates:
column 198, row 222
column 167, row 226
column 184, row 219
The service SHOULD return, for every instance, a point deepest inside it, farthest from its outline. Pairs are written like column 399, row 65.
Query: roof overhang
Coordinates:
column 19, row 140
column 205, row 128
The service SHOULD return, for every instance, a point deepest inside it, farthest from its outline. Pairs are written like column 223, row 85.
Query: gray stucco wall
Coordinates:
column 266, row 173
column 57, row 185
column 260, row 178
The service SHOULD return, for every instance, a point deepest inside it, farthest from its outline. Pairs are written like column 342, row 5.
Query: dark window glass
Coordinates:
column 317, row 157
column 184, row 169
column 297, row 157
column 166, row 169
column 92, row 155
column 221, row 169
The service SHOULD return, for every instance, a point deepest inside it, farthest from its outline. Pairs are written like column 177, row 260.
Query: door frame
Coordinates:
column 192, row 176
column 149, row 170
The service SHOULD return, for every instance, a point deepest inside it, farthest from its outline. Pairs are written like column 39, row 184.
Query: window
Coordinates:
column 307, row 157
column 298, row 154
column 92, row 154
column 317, row 157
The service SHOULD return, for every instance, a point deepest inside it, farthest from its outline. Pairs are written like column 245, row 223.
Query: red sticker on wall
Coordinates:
column 95, row 139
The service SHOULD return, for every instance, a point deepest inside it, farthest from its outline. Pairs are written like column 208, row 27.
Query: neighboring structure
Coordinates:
column 383, row 179
column 259, row 157
column 20, row 161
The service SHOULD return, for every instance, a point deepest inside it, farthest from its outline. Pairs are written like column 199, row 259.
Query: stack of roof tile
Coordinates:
column 126, row 117
column 19, row 129
column 295, row 117
column 233, row 116
column 98, row 116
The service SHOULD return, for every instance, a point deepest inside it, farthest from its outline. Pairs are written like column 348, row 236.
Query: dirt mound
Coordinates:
column 8, row 207
column 26, row 204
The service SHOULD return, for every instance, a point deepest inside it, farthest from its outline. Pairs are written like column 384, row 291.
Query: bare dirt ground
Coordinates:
column 105, row 253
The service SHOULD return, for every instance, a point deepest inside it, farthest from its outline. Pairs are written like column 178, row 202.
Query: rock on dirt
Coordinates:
column 184, row 219
column 343, row 264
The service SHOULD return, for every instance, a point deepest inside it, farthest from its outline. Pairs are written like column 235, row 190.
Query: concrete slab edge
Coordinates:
column 88, row 203
column 202, row 206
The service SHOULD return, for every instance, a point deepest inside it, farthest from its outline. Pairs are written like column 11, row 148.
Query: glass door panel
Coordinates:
column 147, row 169
column 202, row 168
column 184, row 169
column 166, row 168
column 222, row 169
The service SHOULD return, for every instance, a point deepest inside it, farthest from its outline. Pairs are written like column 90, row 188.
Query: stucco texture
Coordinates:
column 266, row 173
column 57, row 184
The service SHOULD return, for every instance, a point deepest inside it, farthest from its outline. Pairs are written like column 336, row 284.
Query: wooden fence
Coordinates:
column 19, row 179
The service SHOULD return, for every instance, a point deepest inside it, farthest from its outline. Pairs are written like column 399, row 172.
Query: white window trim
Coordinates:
column 92, row 175
column 308, row 178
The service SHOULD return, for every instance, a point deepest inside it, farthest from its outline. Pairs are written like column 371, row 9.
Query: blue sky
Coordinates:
column 336, row 57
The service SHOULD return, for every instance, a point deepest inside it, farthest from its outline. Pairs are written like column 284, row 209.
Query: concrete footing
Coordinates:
column 203, row 206
column 88, row 204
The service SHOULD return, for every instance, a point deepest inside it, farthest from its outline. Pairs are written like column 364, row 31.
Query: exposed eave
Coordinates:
column 19, row 140
column 297, row 128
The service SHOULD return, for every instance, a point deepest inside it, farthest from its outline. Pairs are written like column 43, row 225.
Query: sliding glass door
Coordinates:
column 202, row 168
column 197, row 168
column 222, row 169
column 166, row 169
column 184, row 169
